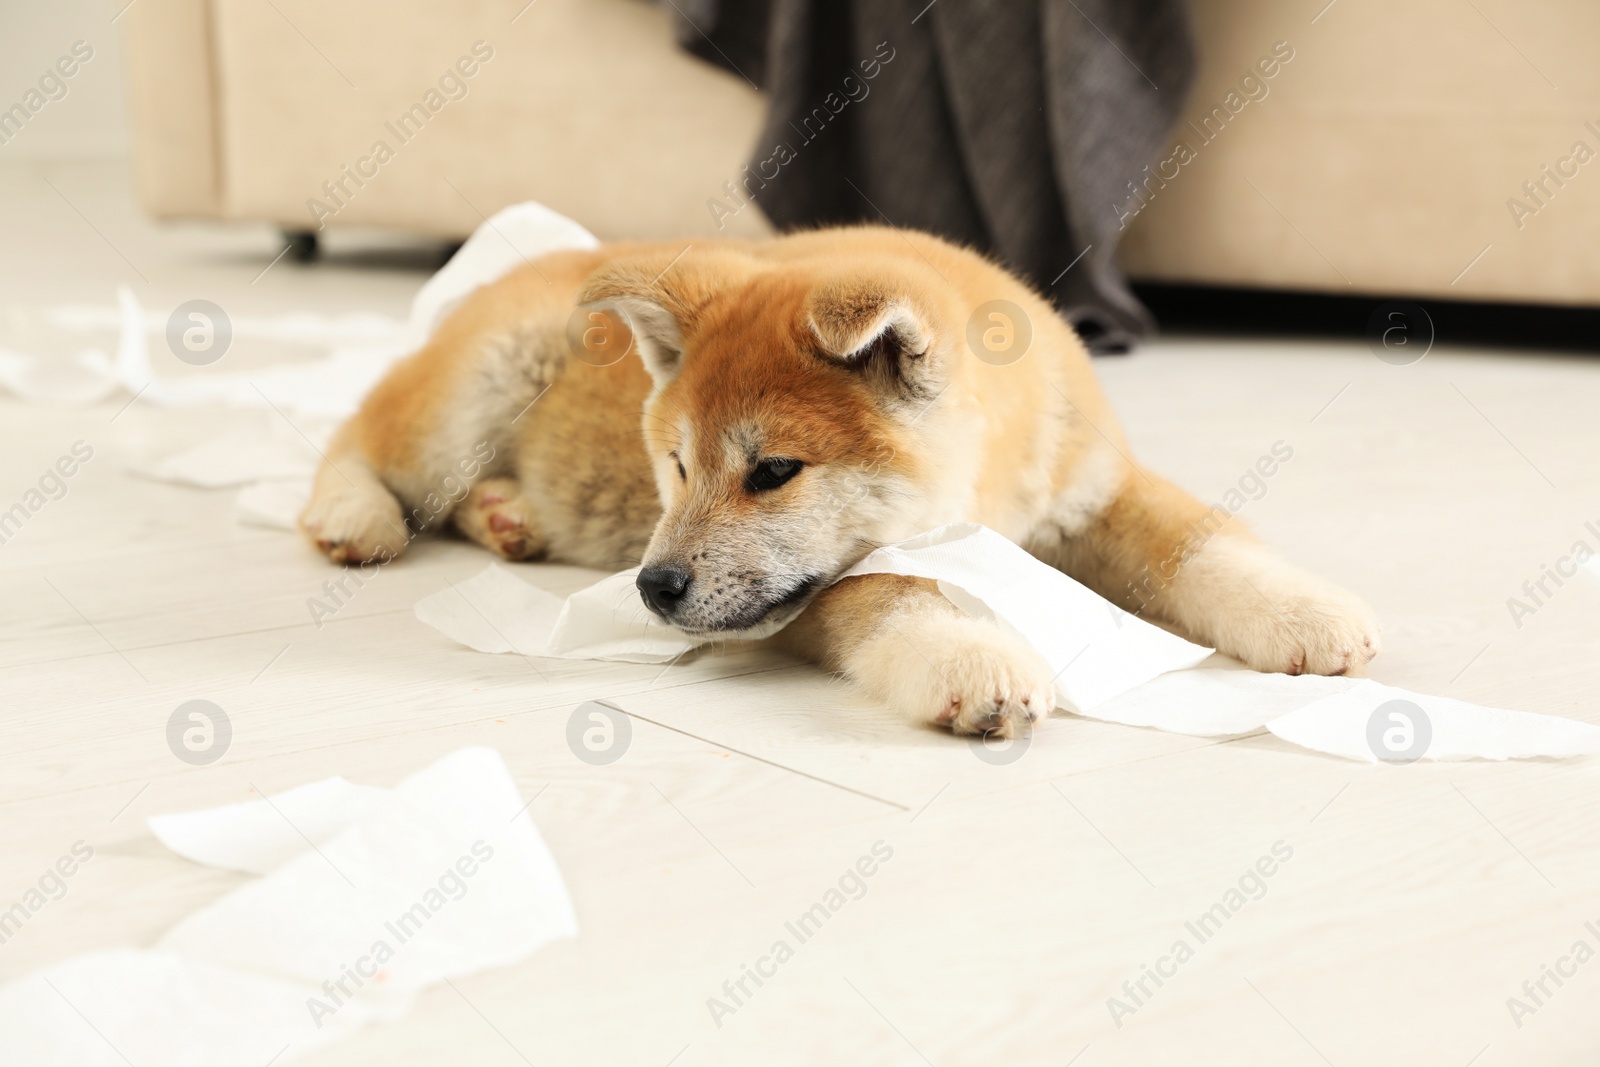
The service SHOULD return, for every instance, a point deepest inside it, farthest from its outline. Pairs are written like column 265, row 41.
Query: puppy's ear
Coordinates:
column 878, row 326
column 660, row 296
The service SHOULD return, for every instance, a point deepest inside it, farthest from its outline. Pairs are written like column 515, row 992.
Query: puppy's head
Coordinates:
column 785, row 426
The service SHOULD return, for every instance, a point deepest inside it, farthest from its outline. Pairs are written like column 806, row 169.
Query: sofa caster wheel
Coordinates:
column 303, row 246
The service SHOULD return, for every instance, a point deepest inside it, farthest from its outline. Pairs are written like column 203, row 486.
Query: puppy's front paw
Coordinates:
column 1319, row 629
column 354, row 525
column 1274, row 616
column 959, row 672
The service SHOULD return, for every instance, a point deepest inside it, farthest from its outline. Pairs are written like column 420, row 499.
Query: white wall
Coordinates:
column 90, row 121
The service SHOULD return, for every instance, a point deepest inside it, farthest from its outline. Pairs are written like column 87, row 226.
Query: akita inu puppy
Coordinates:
column 748, row 420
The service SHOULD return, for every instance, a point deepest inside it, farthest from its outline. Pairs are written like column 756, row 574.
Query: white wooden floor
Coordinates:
column 1018, row 899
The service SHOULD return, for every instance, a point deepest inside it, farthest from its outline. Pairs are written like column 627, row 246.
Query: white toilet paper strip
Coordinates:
column 1353, row 717
column 258, row 837
column 1094, row 648
column 363, row 348
column 244, row 456
column 395, row 890
column 509, row 238
column 1373, row 722
column 494, row 611
column 1108, row 664
column 311, row 328
column 1216, row 703
column 327, row 388
column 86, row 378
column 272, row 505
column 315, row 394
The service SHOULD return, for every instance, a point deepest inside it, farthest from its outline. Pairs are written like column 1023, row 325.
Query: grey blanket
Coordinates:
column 1012, row 126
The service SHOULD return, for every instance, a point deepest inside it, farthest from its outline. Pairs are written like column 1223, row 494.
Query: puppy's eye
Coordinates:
column 771, row 473
column 683, row 474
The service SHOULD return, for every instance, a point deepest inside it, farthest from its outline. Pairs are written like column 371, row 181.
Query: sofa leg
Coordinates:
column 303, row 246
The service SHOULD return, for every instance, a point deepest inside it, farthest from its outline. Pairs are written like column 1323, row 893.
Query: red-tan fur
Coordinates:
column 847, row 350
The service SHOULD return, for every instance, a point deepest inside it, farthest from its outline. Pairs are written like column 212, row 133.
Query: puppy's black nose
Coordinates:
column 663, row 588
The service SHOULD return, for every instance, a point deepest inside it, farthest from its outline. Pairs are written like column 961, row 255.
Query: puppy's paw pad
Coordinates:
column 1004, row 713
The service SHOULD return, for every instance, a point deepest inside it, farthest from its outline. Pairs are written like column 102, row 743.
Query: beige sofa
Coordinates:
column 1387, row 154
column 244, row 109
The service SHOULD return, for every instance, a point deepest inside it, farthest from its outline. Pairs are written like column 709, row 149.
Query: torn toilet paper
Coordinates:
column 360, row 348
column 1108, row 664
column 272, row 504
column 496, row 612
column 258, row 837
column 327, row 388
column 86, row 378
column 511, row 237
column 245, row 456
column 1095, row 649
column 374, row 895
column 314, row 394
column 980, row 571
column 1353, row 717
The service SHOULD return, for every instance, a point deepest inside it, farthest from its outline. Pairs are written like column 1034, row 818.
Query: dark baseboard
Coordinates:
column 1201, row 310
